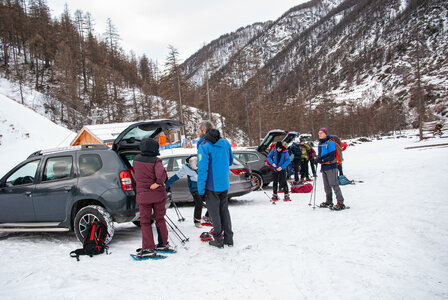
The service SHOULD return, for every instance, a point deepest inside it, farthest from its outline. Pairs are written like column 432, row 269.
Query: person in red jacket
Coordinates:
column 343, row 147
column 150, row 177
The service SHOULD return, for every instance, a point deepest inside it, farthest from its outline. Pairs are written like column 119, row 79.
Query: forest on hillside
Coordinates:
column 80, row 70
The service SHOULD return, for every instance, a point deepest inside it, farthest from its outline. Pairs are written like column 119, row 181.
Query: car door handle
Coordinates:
column 28, row 194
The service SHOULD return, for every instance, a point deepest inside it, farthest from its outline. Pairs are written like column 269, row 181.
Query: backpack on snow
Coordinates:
column 303, row 188
column 94, row 241
column 342, row 180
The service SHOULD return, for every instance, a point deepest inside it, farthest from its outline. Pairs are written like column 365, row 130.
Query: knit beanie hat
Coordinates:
column 324, row 130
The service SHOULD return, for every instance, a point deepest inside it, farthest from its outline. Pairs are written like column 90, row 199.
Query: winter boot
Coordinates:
column 326, row 204
column 287, row 198
column 339, row 206
column 165, row 249
column 217, row 244
column 274, row 198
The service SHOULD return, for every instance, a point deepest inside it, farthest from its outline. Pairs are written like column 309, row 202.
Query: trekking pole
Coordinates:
column 179, row 215
column 313, row 190
column 174, row 231
column 259, row 186
column 180, row 231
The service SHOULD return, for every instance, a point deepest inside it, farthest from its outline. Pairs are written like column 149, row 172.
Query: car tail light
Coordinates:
column 238, row 171
column 126, row 181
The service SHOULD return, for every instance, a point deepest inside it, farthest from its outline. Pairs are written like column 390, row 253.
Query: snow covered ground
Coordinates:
column 391, row 244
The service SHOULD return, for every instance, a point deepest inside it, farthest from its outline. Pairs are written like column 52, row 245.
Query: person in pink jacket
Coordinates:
column 150, row 177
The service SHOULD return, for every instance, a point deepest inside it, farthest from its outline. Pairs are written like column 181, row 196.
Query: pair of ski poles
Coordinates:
column 177, row 232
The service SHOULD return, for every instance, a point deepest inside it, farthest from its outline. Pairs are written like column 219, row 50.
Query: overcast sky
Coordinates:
column 149, row 26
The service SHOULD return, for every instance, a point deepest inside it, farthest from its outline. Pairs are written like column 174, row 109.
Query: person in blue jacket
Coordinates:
column 190, row 169
column 279, row 160
column 214, row 160
column 328, row 160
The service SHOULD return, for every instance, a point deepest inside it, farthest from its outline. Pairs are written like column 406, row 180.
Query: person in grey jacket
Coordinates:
column 190, row 169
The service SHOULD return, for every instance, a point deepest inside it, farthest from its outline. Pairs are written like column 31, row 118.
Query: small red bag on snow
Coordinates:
column 304, row 188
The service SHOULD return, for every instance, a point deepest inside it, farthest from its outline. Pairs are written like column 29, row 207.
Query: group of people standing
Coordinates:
column 208, row 180
column 304, row 154
column 208, row 177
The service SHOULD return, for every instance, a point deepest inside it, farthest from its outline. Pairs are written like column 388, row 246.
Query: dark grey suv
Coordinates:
column 64, row 189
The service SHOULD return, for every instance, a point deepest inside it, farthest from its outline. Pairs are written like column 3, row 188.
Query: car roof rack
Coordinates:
column 70, row 148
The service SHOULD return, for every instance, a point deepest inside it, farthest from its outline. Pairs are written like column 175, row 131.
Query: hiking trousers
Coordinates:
column 296, row 166
column 330, row 178
column 197, row 207
column 146, row 211
column 280, row 177
column 218, row 209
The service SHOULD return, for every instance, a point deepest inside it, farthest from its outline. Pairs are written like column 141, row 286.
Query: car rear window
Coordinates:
column 89, row 164
column 58, row 168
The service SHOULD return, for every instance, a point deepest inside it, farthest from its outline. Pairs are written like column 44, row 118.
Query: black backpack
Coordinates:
column 94, row 242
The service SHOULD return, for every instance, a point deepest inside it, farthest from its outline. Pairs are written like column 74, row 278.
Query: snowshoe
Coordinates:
column 287, row 198
column 206, row 221
column 145, row 254
column 274, row 198
column 325, row 204
column 164, row 249
column 206, row 236
column 339, row 206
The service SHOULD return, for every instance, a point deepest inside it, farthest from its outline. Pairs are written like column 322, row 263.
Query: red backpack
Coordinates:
column 304, row 188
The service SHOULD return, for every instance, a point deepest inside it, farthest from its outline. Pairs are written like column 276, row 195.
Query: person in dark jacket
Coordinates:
column 328, row 161
column 214, row 160
column 295, row 150
column 304, row 148
column 150, row 177
column 190, row 169
column 279, row 160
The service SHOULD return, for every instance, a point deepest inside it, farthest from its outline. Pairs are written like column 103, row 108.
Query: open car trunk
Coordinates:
column 276, row 135
column 130, row 138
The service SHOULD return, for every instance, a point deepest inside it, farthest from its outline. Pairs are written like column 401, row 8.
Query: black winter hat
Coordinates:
column 149, row 147
column 279, row 145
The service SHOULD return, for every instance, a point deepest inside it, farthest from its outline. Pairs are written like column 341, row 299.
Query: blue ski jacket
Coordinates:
column 285, row 159
column 214, row 160
column 327, row 154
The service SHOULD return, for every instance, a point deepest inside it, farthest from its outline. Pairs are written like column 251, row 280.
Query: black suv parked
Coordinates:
column 255, row 157
column 65, row 189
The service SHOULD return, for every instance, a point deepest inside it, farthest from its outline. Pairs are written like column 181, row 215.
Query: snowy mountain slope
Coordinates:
column 350, row 52
column 23, row 131
column 391, row 244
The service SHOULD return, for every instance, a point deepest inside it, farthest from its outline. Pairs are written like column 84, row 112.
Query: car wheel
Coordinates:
column 258, row 181
column 88, row 214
